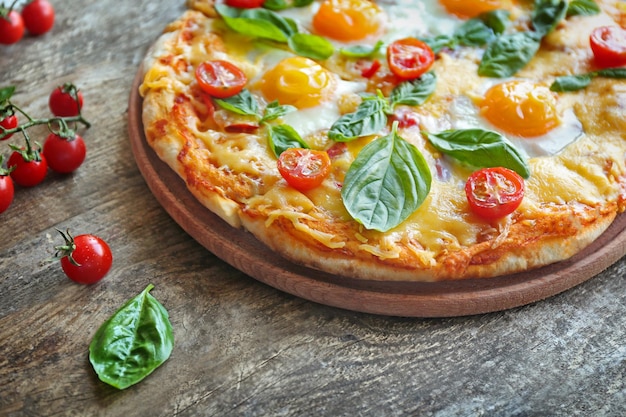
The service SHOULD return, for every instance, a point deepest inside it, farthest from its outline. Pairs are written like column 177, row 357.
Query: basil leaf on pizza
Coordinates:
column 362, row 51
column 254, row 25
column 414, row 92
column 569, row 83
column 283, row 137
column 547, row 14
column 480, row 148
column 274, row 110
column 386, row 183
column 311, row 46
column 582, row 8
column 243, row 103
column 508, row 54
column 368, row 119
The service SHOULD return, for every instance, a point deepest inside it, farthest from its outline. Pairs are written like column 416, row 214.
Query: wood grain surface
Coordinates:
column 243, row 348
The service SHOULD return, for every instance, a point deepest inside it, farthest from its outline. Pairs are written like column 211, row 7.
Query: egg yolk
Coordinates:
column 521, row 108
column 297, row 81
column 347, row 20
column 467, row 9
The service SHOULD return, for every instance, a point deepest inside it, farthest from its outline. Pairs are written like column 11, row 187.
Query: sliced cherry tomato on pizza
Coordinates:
column 11, row 28
column 38, row 16
column 245, row 4
column 493, row 193
column 220, row 78
column 85, row 259
column 608, row 44
column 64, row 155
column 66, row 101
column 304, row 169
column 9, row 122
column 409, row 58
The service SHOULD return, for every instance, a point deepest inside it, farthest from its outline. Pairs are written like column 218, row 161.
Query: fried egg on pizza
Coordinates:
column 398, row 140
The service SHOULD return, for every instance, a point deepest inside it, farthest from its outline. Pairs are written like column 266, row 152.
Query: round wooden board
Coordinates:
column 409, row 299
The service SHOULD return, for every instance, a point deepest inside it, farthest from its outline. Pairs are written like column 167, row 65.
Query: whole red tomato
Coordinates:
column 9, row 122
column 85, row 259
column 38, row 16
column 64, row 155
column 29, row 167
column 11, row 28
column 65, row 101
column 6, row 188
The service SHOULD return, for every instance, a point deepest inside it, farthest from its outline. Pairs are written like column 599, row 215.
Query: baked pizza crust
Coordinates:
column 555, row 222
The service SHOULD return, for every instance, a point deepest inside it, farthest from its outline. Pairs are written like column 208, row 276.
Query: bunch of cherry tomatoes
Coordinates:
column 36, row 17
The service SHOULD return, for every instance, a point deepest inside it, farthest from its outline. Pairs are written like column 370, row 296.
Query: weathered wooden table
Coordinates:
column 242, row 347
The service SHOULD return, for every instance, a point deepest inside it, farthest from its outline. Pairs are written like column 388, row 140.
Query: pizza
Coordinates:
column 398, row 140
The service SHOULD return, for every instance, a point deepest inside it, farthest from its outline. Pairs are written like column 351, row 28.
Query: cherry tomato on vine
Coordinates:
column 38, row 16
column 11, row 28
column 409, row 58
column 63, row 101
column 29, row 167
column 85, row 259
column 245, row 4
column 9, row 122
column 220, row 79
column 304, row 169
column 64, row 155
column 493, row 193
column 7, row 190
column 608, row 44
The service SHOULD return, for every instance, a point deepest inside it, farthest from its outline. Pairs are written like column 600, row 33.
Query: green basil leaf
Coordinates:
column 441, row 42
column 386, row 183
column 6, row 93
column 497, row 20
column 276, row 4
column 286, row 25
column 133, row 342
column 283, row 137
column 582, row 8
column 619, row 72
column 547, row 14
column 243, row 103
column 414, row 92
column 311, row 46
column 508, row 54
column 368, row 119
column 274, row 110
column 361, row 51
column 253, row 27
column 480, row 148
column 474, row 32
column 569, row 83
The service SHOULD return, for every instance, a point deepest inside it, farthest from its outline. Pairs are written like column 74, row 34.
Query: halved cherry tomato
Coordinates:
column 9, row 122
column 65, row 101
column 64, row 155
column 38, row 16
column 245, row 4
column 220, row 79
column 85, row 259
column 11, row 28
column 409, row 58
column 608, row 44
column 493, row 193
column 304, row 169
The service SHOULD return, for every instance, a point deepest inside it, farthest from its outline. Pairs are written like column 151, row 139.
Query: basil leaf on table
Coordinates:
column 480, row 148
column 386, row 183
column 582, row 8
column 133, row 342
column 311, row 46
column 414, row 92
column 569, row 83
column 369, row 118
column 283, row 137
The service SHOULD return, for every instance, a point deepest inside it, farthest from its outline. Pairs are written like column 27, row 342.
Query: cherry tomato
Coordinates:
column 608, row 44
column 9, row 122
column 38, row 16
column 304, row 169
column 220, row 79
column 11, row 28
column 64, row 155
column 6, row 189
column 85, row 259
column 493, row 193
column 245, row 4
column 409, row 58
column 62, row 101
column 29, row 170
